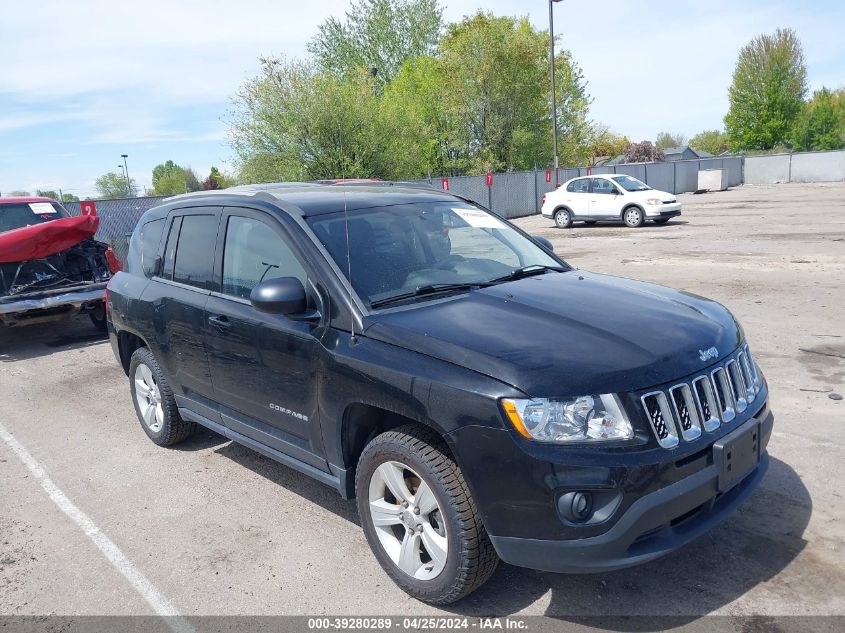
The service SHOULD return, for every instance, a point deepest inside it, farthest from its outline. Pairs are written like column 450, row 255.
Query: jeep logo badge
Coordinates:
column 707, row 354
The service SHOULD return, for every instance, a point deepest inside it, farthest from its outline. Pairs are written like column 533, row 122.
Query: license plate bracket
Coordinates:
column 737, row 454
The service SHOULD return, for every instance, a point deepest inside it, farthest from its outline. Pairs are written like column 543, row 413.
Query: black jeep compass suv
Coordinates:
column 481, row 399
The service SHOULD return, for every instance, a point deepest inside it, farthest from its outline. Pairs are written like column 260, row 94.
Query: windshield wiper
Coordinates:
column 528, row 271
column 428, row 289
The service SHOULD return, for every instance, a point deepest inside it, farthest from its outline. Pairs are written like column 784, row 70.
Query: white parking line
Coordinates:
column 118, row 559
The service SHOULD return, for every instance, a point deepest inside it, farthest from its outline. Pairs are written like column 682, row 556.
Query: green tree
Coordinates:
column 216, row 180
column 113, row 185
column 295, row 122
column 605, row 143
column 767, row 93
column 821, row 124
column 378, row 34
column 170, row 179
column 50, row 193
column 496, row 93
column 665, row 140
column 413, row 104
column 710, row 141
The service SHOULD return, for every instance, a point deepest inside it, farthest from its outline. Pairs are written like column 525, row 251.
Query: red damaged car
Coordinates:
column 50, row 265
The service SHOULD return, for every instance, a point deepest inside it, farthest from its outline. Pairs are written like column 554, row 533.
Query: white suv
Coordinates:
column 610, row 197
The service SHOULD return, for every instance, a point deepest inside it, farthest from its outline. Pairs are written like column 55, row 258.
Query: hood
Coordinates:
column 566, row 334
column 652, row 193
column 48, row 238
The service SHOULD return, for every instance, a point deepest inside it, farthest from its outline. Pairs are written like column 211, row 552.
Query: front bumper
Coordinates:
column 663, row 211
column 653, row 526
column 648, row 500
column 74, row 297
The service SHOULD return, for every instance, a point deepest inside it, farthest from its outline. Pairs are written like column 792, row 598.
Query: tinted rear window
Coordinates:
column 194, row 262
column 16, row 216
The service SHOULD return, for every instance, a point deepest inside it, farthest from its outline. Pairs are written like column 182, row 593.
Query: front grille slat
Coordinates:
column 704, row 403
column 660, row 416
column 685, row 411
column 737, row 385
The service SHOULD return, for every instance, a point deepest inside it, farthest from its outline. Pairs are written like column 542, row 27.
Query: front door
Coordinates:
column 604, row 199
column 263, row 366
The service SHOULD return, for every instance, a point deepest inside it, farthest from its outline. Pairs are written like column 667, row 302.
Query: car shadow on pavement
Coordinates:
column 292, row 480
column 41, row 339
column 750, row 547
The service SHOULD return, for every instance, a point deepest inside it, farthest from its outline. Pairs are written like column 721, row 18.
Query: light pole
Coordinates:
column 126, row 172
column 554, row 94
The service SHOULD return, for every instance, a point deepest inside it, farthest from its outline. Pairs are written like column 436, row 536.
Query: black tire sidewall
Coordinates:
column 417, row 588
column 98, row 317
column 143, row 356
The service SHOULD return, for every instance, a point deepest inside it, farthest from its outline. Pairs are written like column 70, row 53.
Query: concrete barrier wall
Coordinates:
column 796, row 167
column 818, row 167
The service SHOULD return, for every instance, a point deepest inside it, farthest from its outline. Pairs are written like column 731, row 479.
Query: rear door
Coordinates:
column 578, row 196
column 263, row 366
column 604, row 199
column 178, row 297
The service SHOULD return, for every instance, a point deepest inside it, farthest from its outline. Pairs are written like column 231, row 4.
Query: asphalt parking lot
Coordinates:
column 219, row 529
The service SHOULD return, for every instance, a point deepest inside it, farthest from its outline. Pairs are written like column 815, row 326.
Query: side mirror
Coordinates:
column 543, row 243
column 280, row 295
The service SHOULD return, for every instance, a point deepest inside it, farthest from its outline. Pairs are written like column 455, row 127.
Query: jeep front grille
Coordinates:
column 688, row 409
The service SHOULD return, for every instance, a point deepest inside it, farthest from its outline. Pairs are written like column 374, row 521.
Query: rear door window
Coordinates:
column 193, row 263
column 578, row 186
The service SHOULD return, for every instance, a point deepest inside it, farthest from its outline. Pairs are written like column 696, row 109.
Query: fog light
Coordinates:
column 575, row 506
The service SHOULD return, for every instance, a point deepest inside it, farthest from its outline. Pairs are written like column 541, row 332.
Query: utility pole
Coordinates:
column 554, row 93
column 126, row 175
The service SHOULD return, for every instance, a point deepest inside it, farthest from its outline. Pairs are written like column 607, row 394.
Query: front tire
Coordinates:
column 633, row 217
column 563, row 218
column 419, row 518
column 154, row 402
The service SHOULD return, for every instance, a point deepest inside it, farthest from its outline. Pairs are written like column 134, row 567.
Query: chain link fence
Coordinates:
column 512, row 194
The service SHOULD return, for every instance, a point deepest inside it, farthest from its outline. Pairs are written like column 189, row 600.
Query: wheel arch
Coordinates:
column 127, row 343
column 362, row 421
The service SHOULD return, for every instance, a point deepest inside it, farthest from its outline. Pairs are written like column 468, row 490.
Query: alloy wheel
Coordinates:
column 408, row 520
column 148, row 397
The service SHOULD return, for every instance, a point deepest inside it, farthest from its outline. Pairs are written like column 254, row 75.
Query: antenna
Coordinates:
column 349, row 269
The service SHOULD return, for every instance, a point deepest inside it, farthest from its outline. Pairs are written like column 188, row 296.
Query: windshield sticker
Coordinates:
column 42, row 208
column 479, row 219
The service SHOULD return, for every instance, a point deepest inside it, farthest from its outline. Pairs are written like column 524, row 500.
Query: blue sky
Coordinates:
column 83, row 82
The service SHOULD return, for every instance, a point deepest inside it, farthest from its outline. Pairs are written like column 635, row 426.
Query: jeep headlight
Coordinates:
column 583, row 419
column 654, row 201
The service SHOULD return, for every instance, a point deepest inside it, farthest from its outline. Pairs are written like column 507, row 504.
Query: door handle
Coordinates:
column 221, row 321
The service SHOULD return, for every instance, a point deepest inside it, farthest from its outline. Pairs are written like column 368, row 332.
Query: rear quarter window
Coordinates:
column 150, row 238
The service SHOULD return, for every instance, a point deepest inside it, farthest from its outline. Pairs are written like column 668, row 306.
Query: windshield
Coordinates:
column 19, row 215
column 631, row 184
column 398, row 249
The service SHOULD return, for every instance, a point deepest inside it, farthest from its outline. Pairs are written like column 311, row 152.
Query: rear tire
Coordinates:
column 98, row 317
column 154, row 402
column 633, row 217
column 563, row 218
column 415, row 461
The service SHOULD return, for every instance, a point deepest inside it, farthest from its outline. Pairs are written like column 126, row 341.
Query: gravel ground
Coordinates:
column 218, row 529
